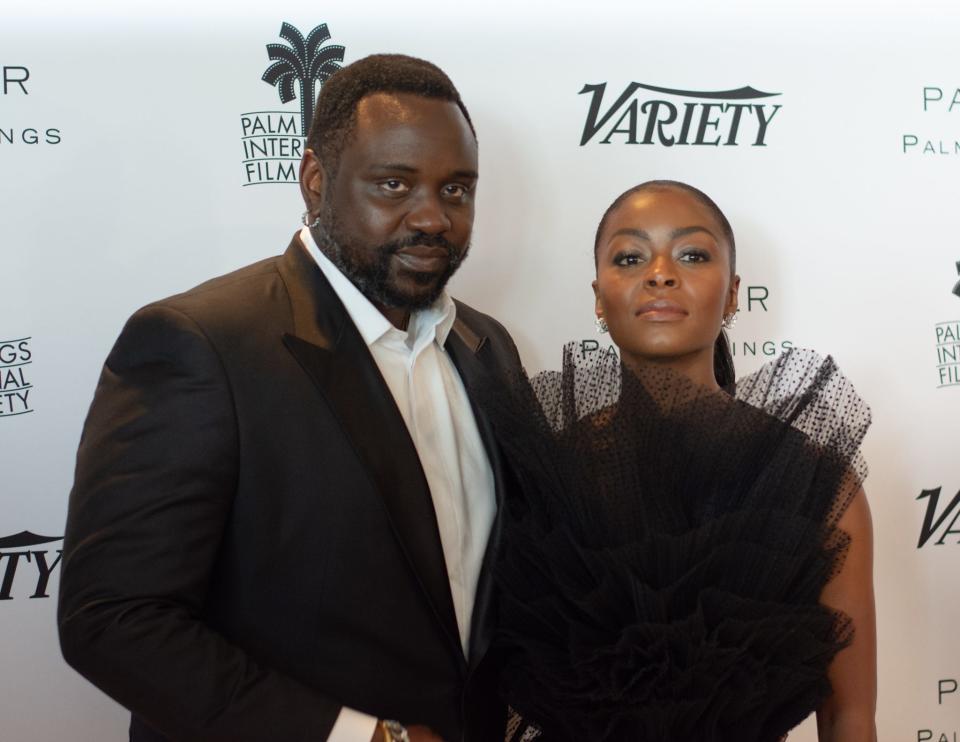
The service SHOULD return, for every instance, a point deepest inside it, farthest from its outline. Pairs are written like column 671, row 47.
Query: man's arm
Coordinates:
column 156, row 475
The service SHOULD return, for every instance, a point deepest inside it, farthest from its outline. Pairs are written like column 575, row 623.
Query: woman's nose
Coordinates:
column 661, row 273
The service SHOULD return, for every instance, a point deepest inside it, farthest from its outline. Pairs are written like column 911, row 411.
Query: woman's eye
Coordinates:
column 694, row 256
column 627, row 258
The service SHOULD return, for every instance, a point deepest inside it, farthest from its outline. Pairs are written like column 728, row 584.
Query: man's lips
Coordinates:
column 661, row 310
column 423, row 258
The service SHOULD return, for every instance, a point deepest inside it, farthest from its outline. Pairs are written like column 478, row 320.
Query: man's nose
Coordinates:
column 428, row 215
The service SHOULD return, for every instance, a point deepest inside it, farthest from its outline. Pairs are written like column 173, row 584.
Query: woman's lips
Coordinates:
column 423, row 258
column 661, row 310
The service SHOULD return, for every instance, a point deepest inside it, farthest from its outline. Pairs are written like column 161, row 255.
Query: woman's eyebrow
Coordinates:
column 630, row 232
column 684, row 231
column 675, row 234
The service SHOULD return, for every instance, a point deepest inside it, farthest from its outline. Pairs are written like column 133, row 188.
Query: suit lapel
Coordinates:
column 473, row 359
column 333, row 354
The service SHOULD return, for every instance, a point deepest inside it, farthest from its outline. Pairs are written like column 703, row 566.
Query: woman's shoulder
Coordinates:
column 809, row 391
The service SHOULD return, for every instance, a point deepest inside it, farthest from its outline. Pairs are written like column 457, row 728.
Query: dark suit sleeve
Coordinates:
column 156, row 474
column 513, row 363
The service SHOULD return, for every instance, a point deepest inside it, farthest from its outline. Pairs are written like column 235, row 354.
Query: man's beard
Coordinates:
column 372, row 277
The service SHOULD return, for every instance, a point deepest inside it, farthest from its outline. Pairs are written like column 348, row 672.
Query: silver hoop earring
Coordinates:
column 730, row 320
column 310, row 225
column 601, row 325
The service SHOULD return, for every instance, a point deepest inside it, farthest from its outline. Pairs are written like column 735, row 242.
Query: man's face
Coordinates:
column 396, row 215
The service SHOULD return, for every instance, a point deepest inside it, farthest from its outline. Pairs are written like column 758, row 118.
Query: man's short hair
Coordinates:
column 336, row 113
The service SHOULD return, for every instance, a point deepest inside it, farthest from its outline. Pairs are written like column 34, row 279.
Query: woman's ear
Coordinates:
column 733, row 296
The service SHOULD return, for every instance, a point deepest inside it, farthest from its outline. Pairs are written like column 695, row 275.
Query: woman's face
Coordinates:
column 663, row 279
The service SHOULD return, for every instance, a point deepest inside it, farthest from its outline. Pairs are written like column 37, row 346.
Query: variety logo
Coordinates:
column 939, row 521
column 948, row 347
column 938, row 102
column 18, row 551
column 15, row 387
column 648, row 114
column 273, row 141
column 15, row 79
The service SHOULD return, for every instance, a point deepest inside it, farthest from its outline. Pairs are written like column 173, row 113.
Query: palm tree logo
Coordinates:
column 306, row 61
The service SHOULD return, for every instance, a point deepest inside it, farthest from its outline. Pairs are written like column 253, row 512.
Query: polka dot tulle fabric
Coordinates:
column 664, row 547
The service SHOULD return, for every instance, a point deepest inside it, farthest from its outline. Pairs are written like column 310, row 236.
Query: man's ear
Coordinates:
column 313, row 180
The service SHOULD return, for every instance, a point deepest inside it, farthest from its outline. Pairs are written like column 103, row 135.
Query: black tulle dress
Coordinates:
column 665, row 548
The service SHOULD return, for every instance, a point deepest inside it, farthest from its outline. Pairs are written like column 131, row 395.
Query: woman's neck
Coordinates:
column 697, row 366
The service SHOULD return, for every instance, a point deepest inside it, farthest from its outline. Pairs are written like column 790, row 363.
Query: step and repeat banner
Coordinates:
column 145, row 150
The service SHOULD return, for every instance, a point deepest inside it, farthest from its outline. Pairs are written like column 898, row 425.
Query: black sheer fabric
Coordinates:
column 666, row 547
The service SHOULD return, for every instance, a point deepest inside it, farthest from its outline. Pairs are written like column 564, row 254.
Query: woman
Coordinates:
column 685, row 558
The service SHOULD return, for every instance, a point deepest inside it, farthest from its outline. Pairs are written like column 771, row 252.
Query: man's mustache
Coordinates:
column 427, row 240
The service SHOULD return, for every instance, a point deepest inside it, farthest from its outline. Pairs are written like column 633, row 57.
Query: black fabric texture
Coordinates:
column 251, row 542
column 666, row 546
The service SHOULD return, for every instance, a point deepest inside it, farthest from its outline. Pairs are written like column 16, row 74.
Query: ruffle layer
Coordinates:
column 666, row 549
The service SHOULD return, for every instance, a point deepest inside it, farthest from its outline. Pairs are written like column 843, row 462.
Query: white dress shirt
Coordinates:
column 433, row 402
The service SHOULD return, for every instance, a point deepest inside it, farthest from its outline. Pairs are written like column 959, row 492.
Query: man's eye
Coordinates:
column 394, row 186
column 455, row 190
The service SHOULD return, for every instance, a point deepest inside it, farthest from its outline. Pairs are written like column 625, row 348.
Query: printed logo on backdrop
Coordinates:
column 743, row 344
column 16, row 87
column 941, row 519
column 948, row 347
column 25, row 569
column 16, row 359
column 754, row 300
column 941, row 106
column 273, row 140
column 648, row 114
column 946, row 696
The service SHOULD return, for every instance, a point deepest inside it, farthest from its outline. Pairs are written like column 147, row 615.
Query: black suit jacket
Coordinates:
column 251, row 542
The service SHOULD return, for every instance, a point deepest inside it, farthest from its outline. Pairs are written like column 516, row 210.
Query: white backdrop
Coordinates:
column 122, row 180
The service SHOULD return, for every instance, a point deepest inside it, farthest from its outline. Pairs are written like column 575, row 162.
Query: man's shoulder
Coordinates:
column 480, row 322
column 245, row 293
column 483, row 325
column 234, row 284
column 243, row 301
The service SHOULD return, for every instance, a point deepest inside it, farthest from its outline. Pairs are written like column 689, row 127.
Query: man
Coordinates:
column 279, row 526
